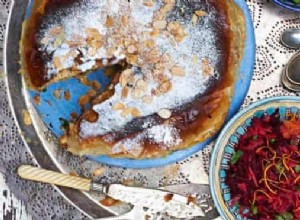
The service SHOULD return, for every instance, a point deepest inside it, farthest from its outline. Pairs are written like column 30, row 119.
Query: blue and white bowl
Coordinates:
column 288, row 4
column 224, row 147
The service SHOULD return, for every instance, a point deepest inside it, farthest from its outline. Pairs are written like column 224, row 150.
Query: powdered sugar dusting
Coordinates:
column 198, row 44
column 91, row 14
column 165, row 56
column 164, row 135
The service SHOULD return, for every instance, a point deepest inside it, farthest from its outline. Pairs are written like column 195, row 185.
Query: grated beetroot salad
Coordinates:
column 264, row 174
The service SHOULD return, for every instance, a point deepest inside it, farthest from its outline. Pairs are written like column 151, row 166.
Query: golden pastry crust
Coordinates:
column 213, row 106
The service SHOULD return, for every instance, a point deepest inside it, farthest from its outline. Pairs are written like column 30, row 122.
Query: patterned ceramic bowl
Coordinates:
column 289, row 4
column 224, row 147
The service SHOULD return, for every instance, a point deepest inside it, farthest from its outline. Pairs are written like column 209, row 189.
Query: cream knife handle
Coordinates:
column 47, row 176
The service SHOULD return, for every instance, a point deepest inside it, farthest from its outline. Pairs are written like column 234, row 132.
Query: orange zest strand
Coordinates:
column 261, row 191
column 284, row 162
column 297, row 179
column 266, row 179
column 278, row 187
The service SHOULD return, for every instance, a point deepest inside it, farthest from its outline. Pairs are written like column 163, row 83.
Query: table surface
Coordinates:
column 269, row 22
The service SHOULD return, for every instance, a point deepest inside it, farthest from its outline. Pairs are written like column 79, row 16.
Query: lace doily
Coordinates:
column 44, row 202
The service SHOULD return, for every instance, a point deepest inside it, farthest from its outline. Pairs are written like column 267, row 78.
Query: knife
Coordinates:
column 158, row 200
column 200, row 192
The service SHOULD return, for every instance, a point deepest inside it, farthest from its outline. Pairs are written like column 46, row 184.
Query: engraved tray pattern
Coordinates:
column 45, row 202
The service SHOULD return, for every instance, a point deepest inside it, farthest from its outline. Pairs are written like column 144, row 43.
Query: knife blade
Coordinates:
column 201, row 194
column 162, row 201
column 158, row 200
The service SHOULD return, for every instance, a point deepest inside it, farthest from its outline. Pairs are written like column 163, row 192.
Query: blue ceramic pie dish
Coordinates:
column 288, row 4
column 224, row 148
column 53, row 116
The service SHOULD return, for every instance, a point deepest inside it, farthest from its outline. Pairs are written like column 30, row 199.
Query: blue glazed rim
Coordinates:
column 218, row 145
column 242, row 86
column 288, row 5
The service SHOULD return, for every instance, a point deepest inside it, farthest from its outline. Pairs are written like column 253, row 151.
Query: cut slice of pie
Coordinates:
column 179, row 64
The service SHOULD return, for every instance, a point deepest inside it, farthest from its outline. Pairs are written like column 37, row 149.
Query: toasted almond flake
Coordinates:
column 149, row 43
column 59, row 40
column 137, row 93
column 165, row 9
column 207, row 68
column 125, row 77
column 109, row 22
column 194, row 19
column 162, row 79
column 200, row 13
column 118, row 106
column 57, row 63
column 78, row 38
column 124, row 93
column 126, row 112
column 93, row 33
column 110, row 51
column 92, row 52
column 172, row 25
column 37, row 100
column 124, row 20
column 177, row 71
column 160, row 24
column 164, row 113
column 154, row 33
column 83, row 100
column 26, row 117
column 131, row 49
column 148, row 3
column 165, row 87
column 91, row 116
column 179, row 38
column 45, row 40
column 96, row 44
column 55, row 30
column 132, row 59
column 176, row 30
column 147, row 99
column 180, row 31
column 57, row 93
column 135, row 112
column 142, row 85
column 98, row 172
column 167, row 33
column 74, row 44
